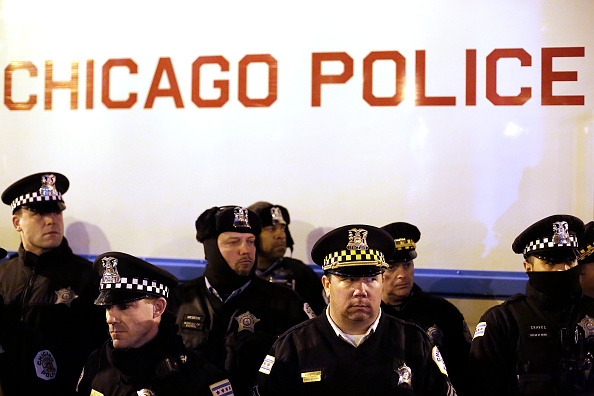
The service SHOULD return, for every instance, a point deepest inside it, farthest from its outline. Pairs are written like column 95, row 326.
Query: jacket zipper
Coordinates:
column 27, row 294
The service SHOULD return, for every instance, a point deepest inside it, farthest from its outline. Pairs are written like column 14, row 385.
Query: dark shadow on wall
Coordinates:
column 85, row 238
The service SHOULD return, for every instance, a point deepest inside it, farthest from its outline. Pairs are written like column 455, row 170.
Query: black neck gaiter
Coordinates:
column 218, row 272
column 560, row 286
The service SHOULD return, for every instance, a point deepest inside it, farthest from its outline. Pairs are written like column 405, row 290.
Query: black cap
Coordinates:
column 273, row 214
column 354, row 250
column 554, row 237
column 405, row 237
column 586, row 242
column 218, row 219
column 41, row 192
column 127, row 278
column 2, row 253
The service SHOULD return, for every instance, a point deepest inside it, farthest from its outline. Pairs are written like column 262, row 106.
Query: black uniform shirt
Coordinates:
column 311, row 359
column 237, row 334
column 445, row 326
column 51, row 324
column 517, row 347
column 163, row 366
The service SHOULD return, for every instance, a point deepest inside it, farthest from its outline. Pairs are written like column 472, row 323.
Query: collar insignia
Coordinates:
column 66, row 296
column 561, row 230
column 586, row 252
column 48, row 185
column 277, row 216
column 110, row 275
column 241, row 217
column 357, row 239
column 404, row 375
column 588, row 325
column 247, row 321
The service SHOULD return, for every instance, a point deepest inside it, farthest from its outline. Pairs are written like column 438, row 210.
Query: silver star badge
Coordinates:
column 247, row 321
column 65, row 296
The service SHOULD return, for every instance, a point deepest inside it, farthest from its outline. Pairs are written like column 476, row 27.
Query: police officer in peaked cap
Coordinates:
column 145, row 355
column 51, row 323
column 404, row 299
column 540, row 342
column 274, row 266
column 229, row 314
column 353, row 348
column 586, row 260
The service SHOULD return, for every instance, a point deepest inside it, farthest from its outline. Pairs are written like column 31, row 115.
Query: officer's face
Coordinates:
column 398, row 282
column 134, row 323
column 587, row 278
column 239, row 251
column 273, row 242
column 543, row 265
column 353, row 301
column 40, row 232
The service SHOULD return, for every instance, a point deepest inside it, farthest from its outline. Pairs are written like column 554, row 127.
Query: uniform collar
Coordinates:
column 214, row 292
column 352, row 339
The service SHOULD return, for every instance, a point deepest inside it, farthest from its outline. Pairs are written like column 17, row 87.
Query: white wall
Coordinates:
column 471, row 177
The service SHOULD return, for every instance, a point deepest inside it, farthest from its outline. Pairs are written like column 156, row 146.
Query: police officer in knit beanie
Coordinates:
column 209, row 226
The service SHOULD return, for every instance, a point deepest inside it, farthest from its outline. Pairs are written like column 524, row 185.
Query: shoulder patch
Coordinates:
column 439, row 360
column 310, row 313
column 45, row 365
column 221, row 388
column 267, row 364
column 480, row 330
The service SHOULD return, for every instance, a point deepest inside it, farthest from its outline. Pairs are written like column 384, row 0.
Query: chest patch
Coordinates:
column 96, row 393
column 45, row 365
column 192, row 322
column 538, row 332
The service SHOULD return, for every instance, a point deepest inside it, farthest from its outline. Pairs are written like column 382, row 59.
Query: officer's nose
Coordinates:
column 111, row 315
column 360, row 289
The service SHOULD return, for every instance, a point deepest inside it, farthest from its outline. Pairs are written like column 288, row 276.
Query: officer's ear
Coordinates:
column 326, row 284
column 528, row 266
column 16, row 222
column 159, row 306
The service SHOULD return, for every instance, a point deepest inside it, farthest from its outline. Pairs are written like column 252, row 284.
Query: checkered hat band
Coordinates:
column 34, row 197
column 348, row 258
column 136, row 284
column 548, row 243
column 405, row 244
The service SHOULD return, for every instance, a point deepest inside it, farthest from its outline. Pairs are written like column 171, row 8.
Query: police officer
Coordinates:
column 539, row 343
column 404, row 299
column 52, row 324
column 353, row 348
column 272, row 264
column 145, row 355
column 586, row 260
column 229, row 315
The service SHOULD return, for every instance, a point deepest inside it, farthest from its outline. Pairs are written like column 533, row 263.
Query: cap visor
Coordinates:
column 44, row 207
column 357, row 271
column 114, row 297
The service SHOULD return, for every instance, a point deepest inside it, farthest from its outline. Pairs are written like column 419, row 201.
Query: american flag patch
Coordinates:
column 222, row 388
column 267, row 364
